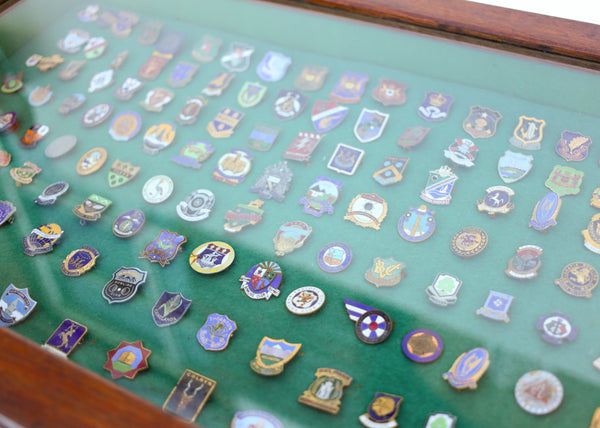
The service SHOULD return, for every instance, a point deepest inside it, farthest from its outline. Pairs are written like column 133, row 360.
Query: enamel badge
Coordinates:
column 311, row 78
column 327, row 115
column 66, row 337
column 496, row 201
column 158, row 137
column 422, row 345
column 97, row 114
column 321, row 196
column 8, row 122
column 223, row 125
column 193, row 154
column 129, row 223
column 274, row 183
column 251, row 94
column 214, row 335
column 243, row 215
column 255, row 417
column 128, row 89
column 217, row 85
column 591, row 235
column 182, row 74
column 334, row 257
column 189, row 395
column 272, row 355
column 325, row 393
column 441, row 419
column 51, row 193
column 197, row 206
column 262, row 137
column 169, row 309
column 468, row 369
column 127, row 359
column 385, row 272
column 370, row 125
column 469, row 242
column 444, row 290
column 290, row 236
column 71, row 71
column 302, row 146
column 211, row 257
column 556, row 328
column 5, row 158
column 191, row 109
column 390, row 93
column 40, row 96
column 273, row 66
column 594, row 200
column 164, row 248
column 391, row 170
column 545, row 212
column 482, row 122
column 92, row 208
column 121, row 173
column 573, row 146
column 47, row 63
column 496, row 306
column 564, row 180
column 95, row 47
column 158, row 189
column 462, row 152
column 237, row 57
column 7, row 211
column 345, row 159
column 207, row 49
column 514, row 166
column 125, row 126
column 15, row 305
column 289, row 104
column 528, row 133
column 33, row 136
column 417, row 225
column 539, row 392
column 439, row 186
column 578, row 279
column 305, row 300
column 124, row 284
column 71, row 103
column 233, row 167
column 119, row 60
column 350, row 88
column 153, row 66
column 150, row 33
column 367, row 210
column 89, row 14
column 435, row 107
column 156, row 99
column 262, row 281
column 79, row 261
column 25, row 174
column 525, row 263
column 382, row 411
column 101, row 80
column 42, row 239
column 12, row 83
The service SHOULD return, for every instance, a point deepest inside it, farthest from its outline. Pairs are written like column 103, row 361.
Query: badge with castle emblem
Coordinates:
column 125, row 126
column 214, row 335
column 211, row 257
column 573, row 146
column 525, row 263
column 370, row 125
column 25, row 174
column 528, row 134
column 79, row 261
column 182, row 74
column 345, row 159
column 121, row 173
column 496, row 306
column 482, row 122
column 391, row 170
column 223, row 125
column 158, row 137
column 15, row 305
column 413, row 136
column 251, row 94
column 190, row 111
column 272, row 355
column 262, row 281
column 578, row 279
column 124, row 284
column 273, row 66
column 311, row 78
column 189, row 396
column 468, row 368
column 92, row 208
column 218, row 84
column 444, row 290
column 169, row 309
column 193, row 154
column 390, row 93
column 42, row 239
column 382, row 411
column 302, row 146
column 545, row 212
column 243, row 215
column 462, row 152
column 417, row 225
column 327, row 115
column 321, row 196
column 66, row 337
column 237, row 58
column 591, row 235
column 513, row 166
column 163, row 249
column 564, row 180
column 207, row 49
column 385, row 272
column 350, row 88
column 289, row 104
column 233, row 167
column 325, row 393
column 367, row 210
column 290, row 236
column 274, row 183
column 127, row 359
column 439, row 186
column 435, row 107
column 496, row 201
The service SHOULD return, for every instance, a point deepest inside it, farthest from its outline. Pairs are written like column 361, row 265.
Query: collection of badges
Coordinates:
column 536, row 392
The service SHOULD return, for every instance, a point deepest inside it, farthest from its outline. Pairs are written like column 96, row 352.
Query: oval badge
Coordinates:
column 129, row 223
column 92, row 161
column 157, row 189
column 212, row 257
column 125, row 126
column 97, row 114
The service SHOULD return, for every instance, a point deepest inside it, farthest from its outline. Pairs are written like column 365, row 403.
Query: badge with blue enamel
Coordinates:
column 462, row 152
column 223, row 125
column 272, row 355
column 513, row 166
column 7, row 211
column 79, row 261
column 391, row 170
column 556, row 328
column 211, row 257
column 40, row 96
column 125, row 126
column 438, row 189
column 370, row 125
column 233, row 167
column 273, row 66
column 545, row 212
column 42, row 239
column 124, row 284
column 591, row 235
column 468, row 368
column 66, row 337
column 289, row 104
column 573, row 146
column 182, row 74
column 496, row 306
column 128, row 88
column 262, row 137
column 321, row 196
column 169, row 309
column 528, row 133
column 496, row 201
column 417, row 224
column 327, row 115
column 372, row 326
column 15, row 305
column 129, row 223
column 382, row 411
column 349, row 88
column 251, row 94
column 334, row 257
column 214, row 335
column 164, row 248
column 345, row 159
column 193, row 153
column 435, row 107
column 262, row 281
column 482, row 122
column 290, row 236
column 51, row 193
column 525, row 263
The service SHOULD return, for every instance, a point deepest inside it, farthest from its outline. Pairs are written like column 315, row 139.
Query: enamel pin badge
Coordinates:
column 237, row 57
column 469, row 242
column 440, row 183
column 262, row 281
column 349, row 88
column 97, row 114
column 211, row 257
column 482, row 122
column 218, row 84
column 385, row 272
column 214, row 335
column 95, row 47
column 158, row 137
column 12, row 83
column 370, row 125
column 42, row 239
column 444, row 290
column 124, row 284
column 367, row 210
column 243, row 215
column 325, row 393
column 164, row 248
column 47, row 63
column 127, row 359
column 564, row 180
column 119, row 60
column 169, row 309
column 591, row 235
column 422, row 346
column 66, row 337
column 33, row 136
column 326, row 115
column 525, row 263
column 71, row 103
column 223, row 125
column 233, row 167
column 262, row 137
column 513, row 166
column 7, row 211
column 190, row 111
column 5, row 158
column 51, row 193
column 594, row 200
column 156, row 99
column 40, row 95
column 321, row 196
column 578, row 279
column 311, row 78
column 573, row 146
column 496, row 201
column 290, row 236
column 150, row 33
column 468, row 368
column 158, row 189
column 462, row 152
column 73, row 41
column 92, row 208
column 89, row 14
column 302, row 146
column 272, row 355
column 193, row 154
column 273, row 66
column 382, row 411
column 556, row 328
column 274, row 183
column 79, row 261
column 345, row 159
column 391, row 170
column 182, row 74
column 25, row 174
column 101, row 80
column 441, row 419
column 121, row 173
column 255, row 417
column 128, row 88
column 129, row 223
column 496, row 306
column 197, row 206
column 71, row 71
column 545, row 212
column 15, row 305
column 305, row 300
column 417, row 225
column 289, row 104
column 435, row 107
column 60, row 146
column 189, row 396
column 8, row 122
column 371, row 325
column 125, row 126
column 334, row 257
column 539, row 392
column 390, row 92
column 528, row 133
column 207, row 48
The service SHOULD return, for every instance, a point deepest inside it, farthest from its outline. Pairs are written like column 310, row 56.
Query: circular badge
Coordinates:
column 92, row 161
column 578, row 279
column 157, row 189
column 125, row 126
column 556, row 328
column 97, row 114
column 422, row 346
column 468, row 242
column 539, row 392
column 305, row 300
column 373, row 327
column 61, row 146
column 129, row 223
column 212, row 257
column 417, row 224
column 255, row 418
column 197, row 206
column 335, row 257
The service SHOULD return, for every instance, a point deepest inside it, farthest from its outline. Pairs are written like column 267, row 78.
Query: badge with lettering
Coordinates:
column 207, row 48
column 233, row 167
column 391, row 170
column 326, row 115
column 262, row 137
column 573, row 146
column 311, row 78
column 321, row 196
column 462, row 152
column 158, row 137
column 305, row 300
column 272, row 355
column 435, row 107
column 15, row 305
column 211, row 257
column 125, row 126
column 40, row 95
column 370, row 125
column 223, row 125
column 237, row 57
column 468, row 369
column 591, row 235
column 556, row 328
column 129, row 223
column 191, row 109
column 390, row 93
column 121, row 173
column 33, row 136
column 345, row 159
column 101, row 80
column 66, row 337
column 71, row 70
column 25, row 174
column 334, row 257
column 382, row 411
column 302, row 146
column 91, row 161
column 214, row 335
column 444, row 290
column 496, row 201
column 439, row 186
column 51, row 193
column 289, row 104
column 496, row 306
column 79, row 261
column 97, row 114
column 95, row 47
column 193, row 154
column 417, row 225
column 411, row 137
column 564, row 180
column 367, row 210
column 262, row 281
column 163, row 249
column 119, row 60
column 350, row 88
column 197, row 206
column 273, row 66
column 124, row 284
column 251, row 94
column 325, row 393
column 128, row 88
column 156, row 99
column 152, row 67
column 107, row 18
column 150, row 33
column 291, row 236
column 73, row 41
column 274, row 183
column 528, row 133
column 513, row 166
column 469, row 241
column 182, row 74
column 42, row 239
column 482, row 122
column 8, row 122
column 71, row 103
column 92, row 208
column 545, row 212
column 385, row 272
column 525, row 263
column 127, row 359
column 578, row 279
column 243, row 215
column 12, row 83
column 189, row 396
column 47, row 63
column 7, row 211
column 217, row 85
column 169, row 309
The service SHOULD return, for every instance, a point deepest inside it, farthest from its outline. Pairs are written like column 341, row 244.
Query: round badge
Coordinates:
column 212, row 257
column 255, row 418
column 556, row 328
column 61, row 146
column 92, row 161
column 422, row 346
column 305, row 300
column 417, row 224
column 468, row 242
column 373, row 327
column 157, row 189
column 197, row 206
column 125, row 126
column 539, row 392
column 129, row 223
column 97, row 114
column 578, row 279
column 335, row 257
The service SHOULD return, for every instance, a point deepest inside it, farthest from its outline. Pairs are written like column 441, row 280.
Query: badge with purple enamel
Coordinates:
column 321, row 196
column 42, row 239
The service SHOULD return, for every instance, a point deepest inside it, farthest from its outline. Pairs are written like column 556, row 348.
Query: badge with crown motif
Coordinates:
column 169, row 309
column 435, row 107
column 350, row 88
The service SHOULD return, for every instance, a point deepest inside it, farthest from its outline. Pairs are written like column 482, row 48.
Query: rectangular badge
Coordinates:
column 189, row 395
column 66, row 337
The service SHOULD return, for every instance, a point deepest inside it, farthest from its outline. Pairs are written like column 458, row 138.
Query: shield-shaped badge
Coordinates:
column 438, row 189
column 345, row 159
column 169, row 43
column 243, row 215
column 289, row 104
column 496, row 306
column 273, row 66
column 214, row 335
column 444, row 290
column 391, row 170
column 321, row 196
column 390, row 93
column 382, row 411
column 191, row 109
column 564, row 180
column 193, row 153
column 262, row 281
column 124, row 284
column 217, row 85
column 514, row 166
column 251, row 94
column 182, row 74
column 152, row 67
column 311, row 78
column 412, row 137
column 272, row 355
column 326, row 115
column 573, row 146
column 482, row 122
column 290, row 236
column 92, row 208
column 237, row 58
column 15, row 305
column 164, row 248
column 435, row 107
column 302, row 146
column 528, row 134
column 350, row 88
column 207, row 48
column 275, row 182
column 223, row 125
column 129, row 87
column 169, row 309
column 370, row 125
column 150, row 33
column 121, row 173
column 7, row 211
column 263, row 137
